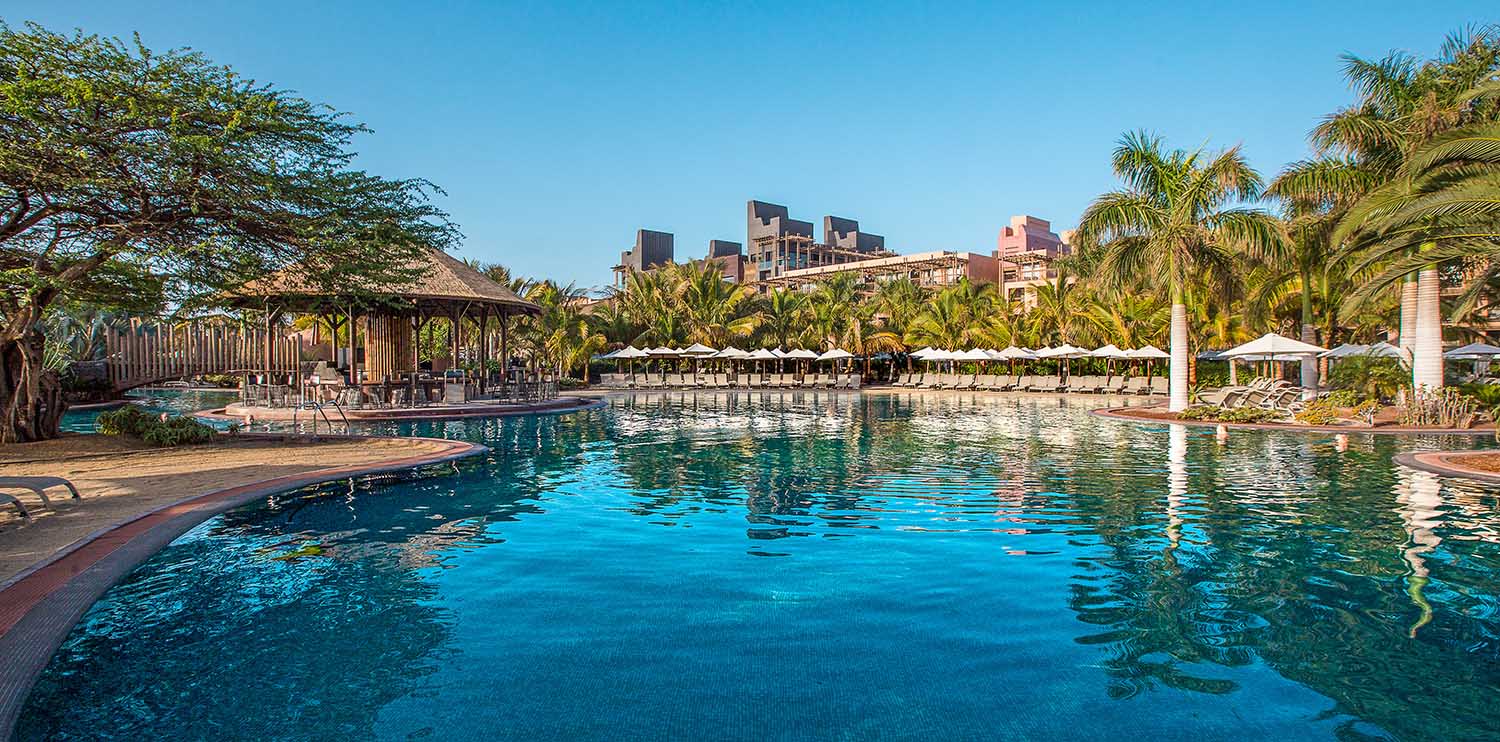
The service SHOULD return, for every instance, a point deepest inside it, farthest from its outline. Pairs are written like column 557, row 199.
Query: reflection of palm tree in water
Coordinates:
column 1177, row 481
column 1420, row 496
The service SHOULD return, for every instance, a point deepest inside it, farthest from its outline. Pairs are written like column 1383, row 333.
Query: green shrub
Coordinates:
column 137, row 423
column 1370, row 377
column 1321, row 411
column 1231, row 415
column 1343, row 398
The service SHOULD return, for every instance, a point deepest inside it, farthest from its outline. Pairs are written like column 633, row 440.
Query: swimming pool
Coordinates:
column 781, row 566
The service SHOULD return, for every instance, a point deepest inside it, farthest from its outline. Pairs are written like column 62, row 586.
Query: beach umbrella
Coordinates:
column 1347, row 349
column 972, row 354
column 1473, row 352
column 1383, row 349
column 921, row 355
column 1277, row 347
column 731, row 353
column 610, row 356
column 1109, row 353
column 1271, row 344
column 761, row 355
column 698, row 350
column 1148, row 353
column 630, row 353
column 1013, row 353
column 837, row 354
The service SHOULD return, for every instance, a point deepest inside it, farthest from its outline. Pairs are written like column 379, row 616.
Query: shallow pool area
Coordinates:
column 814, row 565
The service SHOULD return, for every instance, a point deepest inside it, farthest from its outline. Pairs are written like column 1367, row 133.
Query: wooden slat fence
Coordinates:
column 149, row 354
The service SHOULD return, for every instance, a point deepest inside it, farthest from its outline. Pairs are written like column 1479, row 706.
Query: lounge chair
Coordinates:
column 899, row 379
column 1159, row 386
column 1112, row 385
column 965, row 382
column 854, row 381
column 1046, row 384
column 1082, row 384
column 830, row 381
column 811, row 380
column 1138, row 385
column 912, row 380
column 39, row 485
column 754, row 381
column 984, row 382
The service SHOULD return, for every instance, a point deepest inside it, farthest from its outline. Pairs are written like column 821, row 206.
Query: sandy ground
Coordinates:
column 121, row 479
column 1489, row 462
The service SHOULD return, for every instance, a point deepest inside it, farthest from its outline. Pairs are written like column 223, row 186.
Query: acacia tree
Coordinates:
column 132, row 179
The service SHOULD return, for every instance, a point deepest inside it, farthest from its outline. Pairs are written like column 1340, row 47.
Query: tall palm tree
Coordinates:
column 831, row 307
column 1177, row 218
column 783, row 316
column 1402, row 103
column 1441, row 207
column 715, row 310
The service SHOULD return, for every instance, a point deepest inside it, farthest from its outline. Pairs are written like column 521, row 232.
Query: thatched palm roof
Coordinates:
column 443, row 281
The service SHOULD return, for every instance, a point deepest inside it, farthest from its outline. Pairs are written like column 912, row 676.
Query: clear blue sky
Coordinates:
column 558, row 129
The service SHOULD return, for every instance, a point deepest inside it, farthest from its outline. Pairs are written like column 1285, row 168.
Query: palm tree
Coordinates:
column 831, row 307
column 1175, row 219
column 1402, row 104
column 1441, row 207
column 783, row 316
column 1058, row 315
column 715, row 310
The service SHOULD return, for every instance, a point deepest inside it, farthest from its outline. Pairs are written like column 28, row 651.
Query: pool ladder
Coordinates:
column 317, row 408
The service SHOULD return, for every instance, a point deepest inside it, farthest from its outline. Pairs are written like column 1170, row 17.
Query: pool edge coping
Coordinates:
column 74, row 577
column 1442, row 463
column 1118, row 413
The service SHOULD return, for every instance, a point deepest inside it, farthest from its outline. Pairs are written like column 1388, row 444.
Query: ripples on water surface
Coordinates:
column 801, row 566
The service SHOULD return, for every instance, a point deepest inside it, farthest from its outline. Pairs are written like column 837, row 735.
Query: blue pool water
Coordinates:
column 813, row 566
column 170, row 401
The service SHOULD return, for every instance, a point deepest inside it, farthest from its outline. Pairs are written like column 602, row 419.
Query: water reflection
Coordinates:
column 926, row 547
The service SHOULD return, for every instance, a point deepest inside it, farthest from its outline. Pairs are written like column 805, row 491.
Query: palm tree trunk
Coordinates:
column 1427, row 349
column 1407, row 333
column 1310, row 336
column 1178, row 383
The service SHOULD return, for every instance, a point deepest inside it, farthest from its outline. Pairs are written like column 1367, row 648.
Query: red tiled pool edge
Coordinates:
column 1129, row 414
column 39, row 606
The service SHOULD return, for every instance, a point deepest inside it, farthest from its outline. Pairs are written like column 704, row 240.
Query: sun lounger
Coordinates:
column 1081, row 384
column 39, row 485
column 912, row 380
column 1159, row 386
column 899, row 380
column 1046, row 384
column 965, row 382
column 1112, row 385
column 1138, row 385
column 829, row 381
column 811, row 380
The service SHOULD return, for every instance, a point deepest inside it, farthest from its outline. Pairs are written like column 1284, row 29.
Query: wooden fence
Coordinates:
column 150, row 354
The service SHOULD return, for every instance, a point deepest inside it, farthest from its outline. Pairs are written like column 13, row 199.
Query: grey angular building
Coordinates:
column 779, row 243
column 844, row 234
column 652, row 249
